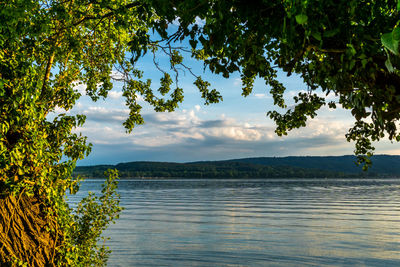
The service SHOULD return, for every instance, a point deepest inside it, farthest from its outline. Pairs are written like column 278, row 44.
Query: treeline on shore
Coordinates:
column 287, row 167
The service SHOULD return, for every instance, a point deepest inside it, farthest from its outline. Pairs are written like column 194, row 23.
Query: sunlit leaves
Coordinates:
column 176, row 58
column 91, row 217
column 165, row 82
column 46, row 48
column 210, row 96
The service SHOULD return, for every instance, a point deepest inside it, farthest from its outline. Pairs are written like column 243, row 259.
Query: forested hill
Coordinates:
column 381, row 164
column 264, row 167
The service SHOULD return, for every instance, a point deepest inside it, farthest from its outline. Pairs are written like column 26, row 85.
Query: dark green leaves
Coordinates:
column 391, row 41
column 210, row 96
column 307, row 105
column 301, row 19
column 389, row 65
column 176, row 58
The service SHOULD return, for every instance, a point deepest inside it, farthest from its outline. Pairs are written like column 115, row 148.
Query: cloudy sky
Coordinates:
column 236, row 128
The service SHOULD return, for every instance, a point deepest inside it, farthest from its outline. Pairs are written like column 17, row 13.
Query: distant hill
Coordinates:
column 381, row 164
column 262, row 167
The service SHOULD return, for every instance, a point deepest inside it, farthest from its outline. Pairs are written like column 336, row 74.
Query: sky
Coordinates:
column 235, row 128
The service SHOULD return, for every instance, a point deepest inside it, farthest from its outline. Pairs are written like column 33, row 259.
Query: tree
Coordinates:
column 349, row 48
column 46, row 48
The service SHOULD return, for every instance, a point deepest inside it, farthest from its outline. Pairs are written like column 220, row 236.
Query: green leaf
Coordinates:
column 390, row 43
column 389, row 65
column 364, row 62
column 351, row 50
column 396, row 33
column 352, row 64
column 301, row 19
column 331, row 33
column 316, row 35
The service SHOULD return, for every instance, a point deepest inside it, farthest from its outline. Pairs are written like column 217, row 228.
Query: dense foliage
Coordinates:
column 349, row 48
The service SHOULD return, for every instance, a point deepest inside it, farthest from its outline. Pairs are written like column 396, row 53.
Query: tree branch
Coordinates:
column 108, row 14
column 48, row 69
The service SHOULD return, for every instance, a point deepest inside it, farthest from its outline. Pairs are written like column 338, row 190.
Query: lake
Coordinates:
column 255, row 222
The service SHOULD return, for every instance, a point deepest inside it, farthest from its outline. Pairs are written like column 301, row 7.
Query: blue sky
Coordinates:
column 235, row 128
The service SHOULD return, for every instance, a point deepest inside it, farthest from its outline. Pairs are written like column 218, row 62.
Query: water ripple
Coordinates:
column 255, row 223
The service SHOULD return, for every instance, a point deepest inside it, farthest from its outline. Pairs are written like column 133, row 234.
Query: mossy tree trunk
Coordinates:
column 24, row 232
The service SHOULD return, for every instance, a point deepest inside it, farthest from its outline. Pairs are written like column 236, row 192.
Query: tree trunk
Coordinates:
column 23, row 234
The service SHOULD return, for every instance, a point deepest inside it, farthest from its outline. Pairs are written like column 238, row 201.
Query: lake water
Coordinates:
column 255, row 223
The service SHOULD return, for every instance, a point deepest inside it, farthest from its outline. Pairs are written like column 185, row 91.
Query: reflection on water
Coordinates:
column 255, row 223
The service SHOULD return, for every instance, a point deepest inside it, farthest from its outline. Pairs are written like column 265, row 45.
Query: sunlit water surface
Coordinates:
column 255, row 222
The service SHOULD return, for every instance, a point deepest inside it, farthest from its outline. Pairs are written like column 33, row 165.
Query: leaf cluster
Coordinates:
column 84, row 245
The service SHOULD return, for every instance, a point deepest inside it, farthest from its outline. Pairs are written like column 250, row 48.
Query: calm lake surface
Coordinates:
column 255, row 222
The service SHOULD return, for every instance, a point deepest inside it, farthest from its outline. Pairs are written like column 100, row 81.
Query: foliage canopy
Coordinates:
column 346, row 47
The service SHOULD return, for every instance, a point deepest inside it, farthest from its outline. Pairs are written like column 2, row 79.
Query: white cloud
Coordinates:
column 162, row 129
column 183, row 136
column 236, row 133
column 115, row 94
column 104, row 126
column 59, row 110
column 117, row 75
column 81, row 88
column 105, row 115
column 152, row 141
column 262, row 96
column 237, row 81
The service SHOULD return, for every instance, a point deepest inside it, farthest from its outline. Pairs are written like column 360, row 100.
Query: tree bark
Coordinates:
column 23, row 234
